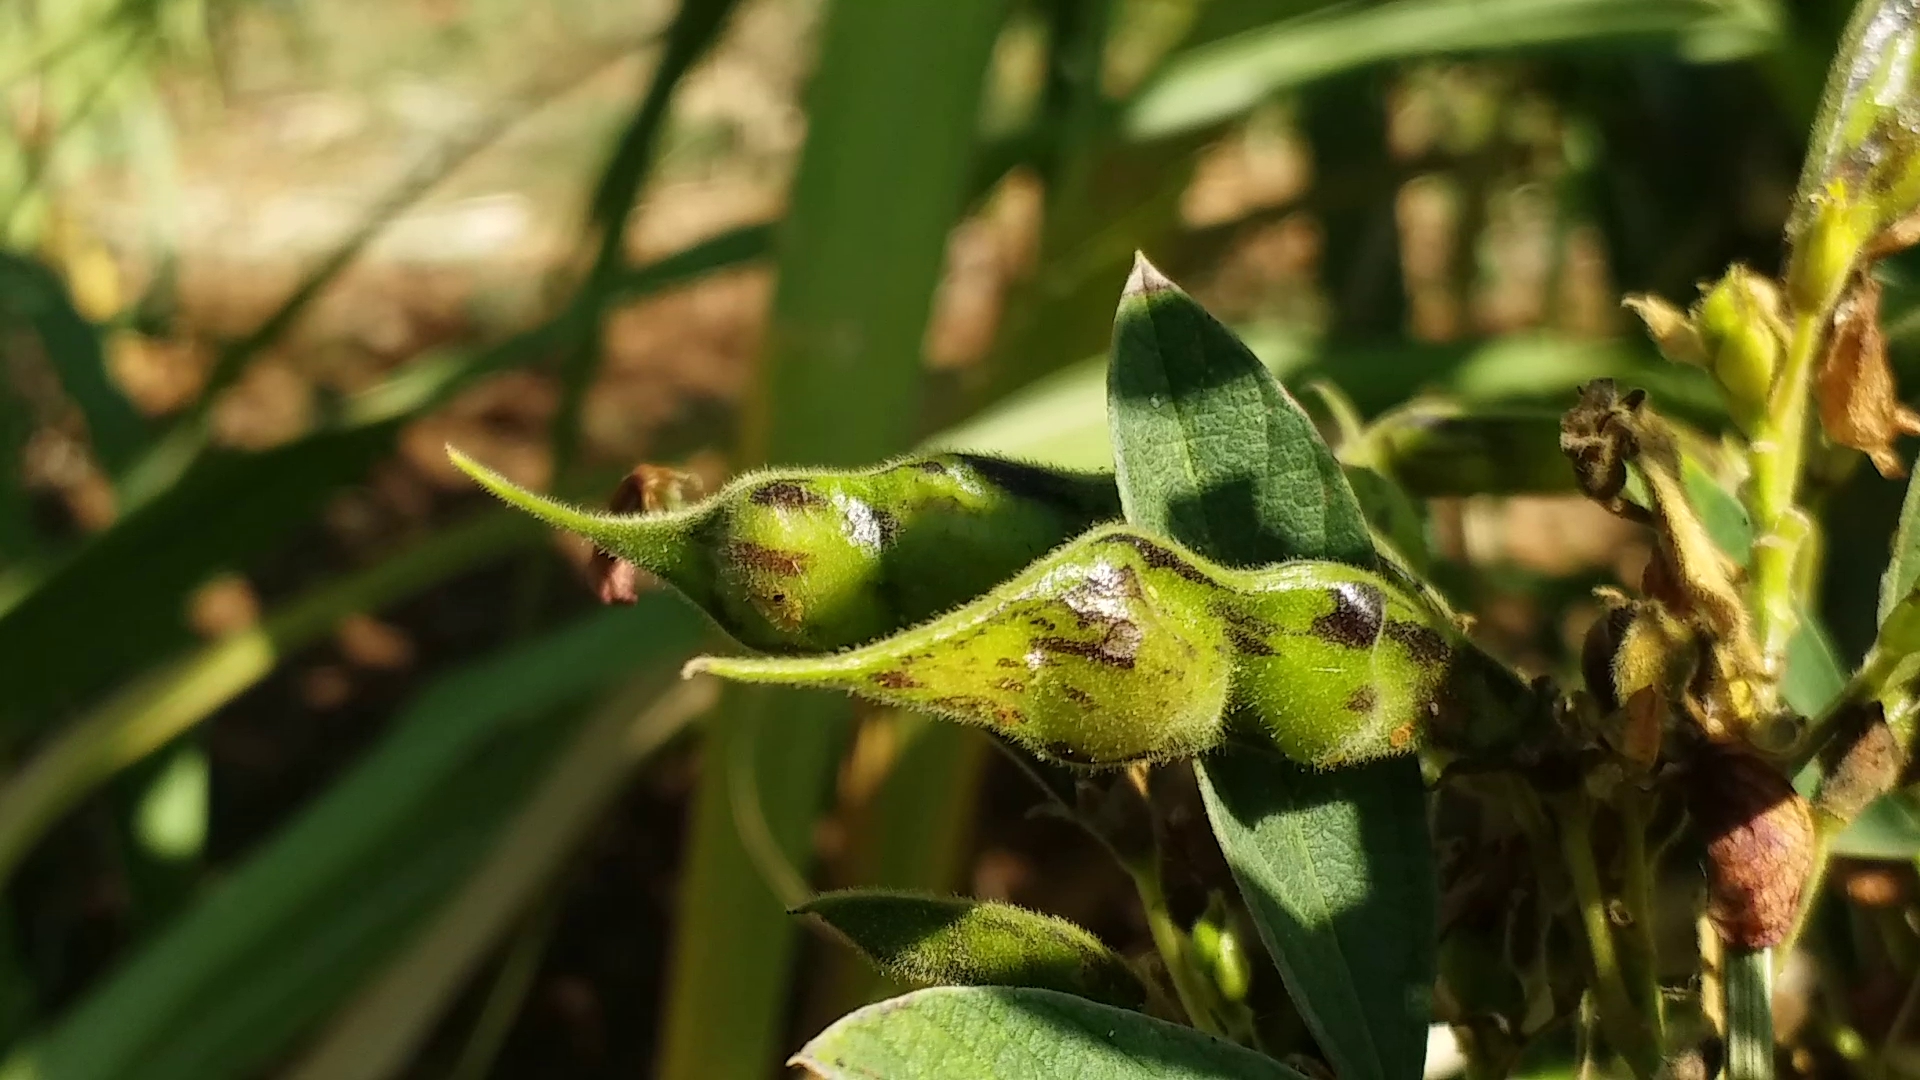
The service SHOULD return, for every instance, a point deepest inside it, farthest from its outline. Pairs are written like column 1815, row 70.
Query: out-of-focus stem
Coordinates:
column 1626, row 1027
column 1747, row 981
column 1171, row 942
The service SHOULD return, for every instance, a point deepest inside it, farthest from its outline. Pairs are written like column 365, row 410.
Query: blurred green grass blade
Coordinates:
column 228, row 509
column 1224, row 78
column 289, row 934
column 34, row 302
column 892, row 114
column 231, row 506
column 694, row 29
column 380, row 1029
column 173, row 698
column 187, row 438
column 1061, row 419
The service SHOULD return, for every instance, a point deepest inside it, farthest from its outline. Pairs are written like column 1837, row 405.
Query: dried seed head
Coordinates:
column 1759, row 844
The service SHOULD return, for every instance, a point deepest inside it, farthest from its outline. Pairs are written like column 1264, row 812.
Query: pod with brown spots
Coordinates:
column 806, row 561
column 1124, row 647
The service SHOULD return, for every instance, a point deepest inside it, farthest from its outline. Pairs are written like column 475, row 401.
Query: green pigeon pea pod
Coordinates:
column 1122, row 647
column 808, row 561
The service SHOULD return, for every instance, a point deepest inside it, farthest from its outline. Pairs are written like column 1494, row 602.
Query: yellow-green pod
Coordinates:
column 807, row 560
column 1123, row 647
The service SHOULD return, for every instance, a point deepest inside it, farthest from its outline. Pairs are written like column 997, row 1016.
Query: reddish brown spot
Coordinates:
column 1041, row 623
column 1006, row 662
column 765, row 559
column 895, row 680
column 1363, row 700
column 785, row 494
column 1077, row 696
column 1011, row 686
column 1355, row 620
column 1399, row 737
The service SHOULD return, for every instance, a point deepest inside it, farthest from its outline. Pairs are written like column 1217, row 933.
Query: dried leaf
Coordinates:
column 1859, row 405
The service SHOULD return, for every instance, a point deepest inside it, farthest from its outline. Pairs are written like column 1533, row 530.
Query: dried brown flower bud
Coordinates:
column 1859, row 405
column 647, row 489
column 1759, row 837
column 1863, row 762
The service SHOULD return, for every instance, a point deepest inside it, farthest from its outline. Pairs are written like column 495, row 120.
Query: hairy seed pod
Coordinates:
column 807, row 561
column 1124, row 647
column 1759, row 844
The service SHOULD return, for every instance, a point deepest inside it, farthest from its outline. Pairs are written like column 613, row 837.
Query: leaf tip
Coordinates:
column 1146, row 280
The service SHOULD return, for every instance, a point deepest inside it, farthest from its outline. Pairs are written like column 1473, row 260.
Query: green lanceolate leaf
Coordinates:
column 1121, row 647
column 1212, row 451
column 1343, row 894
column 966, row 1033
column 812, row 561
column 1903, row 566
column 951, row 941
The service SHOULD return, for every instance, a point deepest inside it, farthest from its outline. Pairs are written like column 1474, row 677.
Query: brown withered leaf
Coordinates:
column 1859, row 404
column 647, row 489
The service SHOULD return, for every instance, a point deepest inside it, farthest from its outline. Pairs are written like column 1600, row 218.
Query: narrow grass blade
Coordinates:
column 1226, row 77
column 173, row 698
column 892, row 116
column 34, row 303
column 294, row 930
column 378, row 1031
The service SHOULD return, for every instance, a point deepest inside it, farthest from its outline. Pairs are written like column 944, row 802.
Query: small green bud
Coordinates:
column 1826, row 248
column 1221, row 953
column 1740, row 325
column 806, row 561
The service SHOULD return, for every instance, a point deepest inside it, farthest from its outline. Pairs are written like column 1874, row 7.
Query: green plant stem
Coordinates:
column 1625, row 1025
column 172, row 699
column 1747, row 982
column 1640, row 903
column 1776, row 456
column 1171, row 942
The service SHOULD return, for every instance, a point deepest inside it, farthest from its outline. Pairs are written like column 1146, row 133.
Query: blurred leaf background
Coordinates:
column 315, row 763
